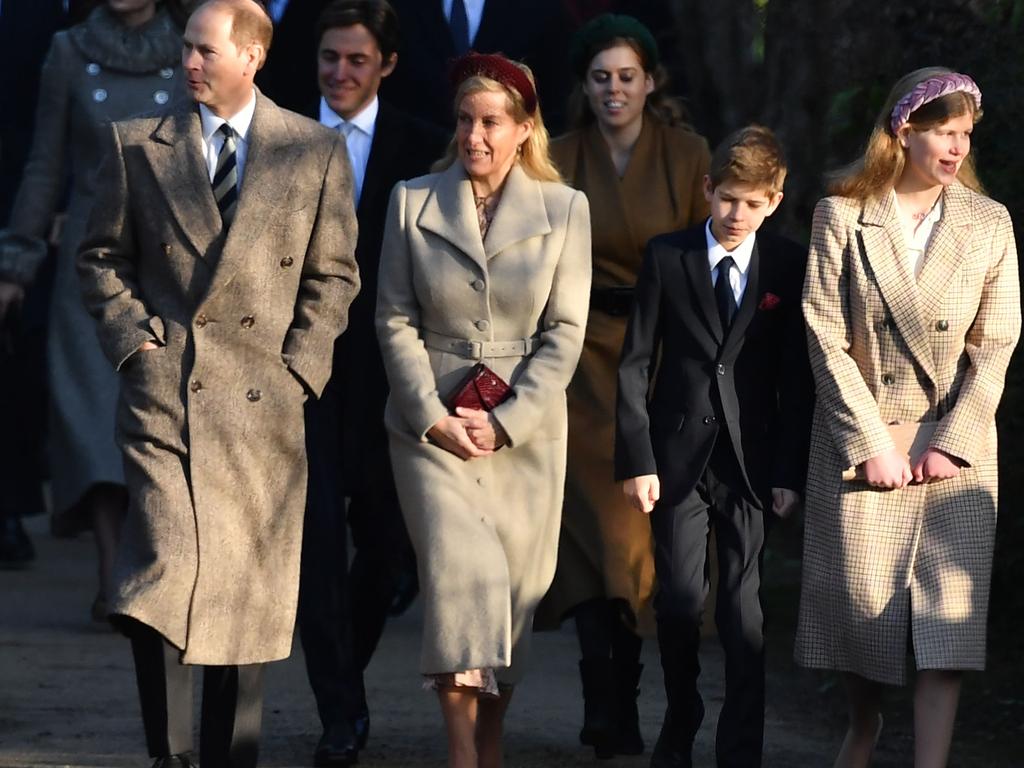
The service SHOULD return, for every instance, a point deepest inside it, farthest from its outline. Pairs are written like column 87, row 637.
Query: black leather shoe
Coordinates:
column 16, row 550
column 361, row 729
column 668, row 754
column 337, row 748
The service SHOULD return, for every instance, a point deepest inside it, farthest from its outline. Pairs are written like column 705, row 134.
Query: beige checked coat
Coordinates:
column 884, row 348
column 211, row 422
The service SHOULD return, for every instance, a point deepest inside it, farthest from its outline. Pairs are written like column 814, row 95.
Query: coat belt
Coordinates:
column 475, row 349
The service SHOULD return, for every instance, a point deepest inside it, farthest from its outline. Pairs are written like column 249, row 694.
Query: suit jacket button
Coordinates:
column 248, row 321
column 201, row 321
column 710, row 419
column 720, row 369
column 478, row 284
column 287, row 261
column 253, row 395
column 888, row 379
column 196, row 386
column 942, row 325
column 482, row 325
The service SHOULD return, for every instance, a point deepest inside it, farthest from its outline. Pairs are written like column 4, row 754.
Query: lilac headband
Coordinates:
column 929, row 90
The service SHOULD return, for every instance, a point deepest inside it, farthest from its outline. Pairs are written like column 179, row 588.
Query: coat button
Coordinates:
column 253, row 395
column 482, row 325
column 942, row 325
column 720, row 369
column 248, row 321
column 196, row 386
column 478, row 284
column 166, row 248
column 287, row 261
column 201, row 321
column 888, row 379
column 710, row 419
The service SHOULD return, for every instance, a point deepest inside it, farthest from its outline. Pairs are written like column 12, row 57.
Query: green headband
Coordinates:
column 596, row 33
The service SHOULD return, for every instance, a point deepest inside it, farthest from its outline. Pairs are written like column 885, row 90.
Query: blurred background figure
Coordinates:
column 121, row 60
column 642, row 169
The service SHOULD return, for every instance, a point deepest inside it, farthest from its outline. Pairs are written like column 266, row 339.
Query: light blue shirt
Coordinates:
column 358, row 133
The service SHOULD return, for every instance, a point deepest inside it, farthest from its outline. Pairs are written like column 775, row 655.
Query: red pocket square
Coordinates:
column 769, row 301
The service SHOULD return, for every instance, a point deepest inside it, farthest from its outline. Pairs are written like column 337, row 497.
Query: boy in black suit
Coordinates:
column 722, row 438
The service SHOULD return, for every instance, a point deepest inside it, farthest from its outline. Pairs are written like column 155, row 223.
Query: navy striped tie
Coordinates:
column 225, row 178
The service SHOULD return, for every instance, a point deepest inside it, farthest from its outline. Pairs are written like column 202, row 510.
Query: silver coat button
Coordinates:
column 100, row 95
column 92, row 68
column 161, row 97
column 167, row 73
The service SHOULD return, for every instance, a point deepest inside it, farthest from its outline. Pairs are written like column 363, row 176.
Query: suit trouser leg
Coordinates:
column 232, row 711
column 165, row 691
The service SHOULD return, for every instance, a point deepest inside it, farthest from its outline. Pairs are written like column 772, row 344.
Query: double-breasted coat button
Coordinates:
column 478, row 284
column 482, row 325
column 253, row 395
column 888, row 379
column 201, row 321
column 196, row 386
column 942, row 325
column 287, row 261
column 248, row 321
column 720, row 369
column 710, row 419
column 166, row 248
column 92, row 68
column 161, row 97
column 99, row 95
column 167, row 73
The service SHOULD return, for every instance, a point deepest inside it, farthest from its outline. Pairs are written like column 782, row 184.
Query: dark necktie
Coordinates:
column 225, row 178
column 724, row 296
column 459, row 24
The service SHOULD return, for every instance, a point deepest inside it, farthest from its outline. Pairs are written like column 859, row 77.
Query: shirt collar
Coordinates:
column 364, row 121
column 240, row 121
column 741, row 255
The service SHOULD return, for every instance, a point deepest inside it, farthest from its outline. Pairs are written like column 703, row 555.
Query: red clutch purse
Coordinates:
column 482, row 389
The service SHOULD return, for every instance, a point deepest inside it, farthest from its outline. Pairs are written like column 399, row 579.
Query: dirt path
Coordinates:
column 67, row 695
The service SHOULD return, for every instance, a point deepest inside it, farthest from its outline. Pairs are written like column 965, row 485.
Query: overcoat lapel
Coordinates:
column 267, row 180
column 748, row 305
column 175, row 155
column 450, row 212
column 521, row 214
column 947, row 248
column 698, row 273
column 880, row 238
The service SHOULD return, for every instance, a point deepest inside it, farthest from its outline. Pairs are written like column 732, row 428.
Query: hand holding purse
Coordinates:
column 482, row 389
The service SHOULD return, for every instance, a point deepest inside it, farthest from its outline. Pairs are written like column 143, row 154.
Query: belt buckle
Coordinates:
column 474, row 350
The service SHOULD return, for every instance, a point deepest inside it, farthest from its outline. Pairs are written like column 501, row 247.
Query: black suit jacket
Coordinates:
column 534, row 31
column 753, row 381
column 289, row 74
column 403, row 148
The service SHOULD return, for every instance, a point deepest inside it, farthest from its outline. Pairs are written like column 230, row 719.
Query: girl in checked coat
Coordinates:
column 913, row 310
column 487, row 260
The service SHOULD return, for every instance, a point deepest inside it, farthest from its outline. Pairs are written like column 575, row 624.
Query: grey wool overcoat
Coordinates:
column 211, row 422
column 485, row 530
column 882, row 566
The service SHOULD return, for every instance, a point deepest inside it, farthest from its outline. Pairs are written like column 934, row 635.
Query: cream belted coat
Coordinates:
column 885, row 347
column 211, row 423
column 485, row 530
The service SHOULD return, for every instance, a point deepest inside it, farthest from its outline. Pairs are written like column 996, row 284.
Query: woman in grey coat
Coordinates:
column 487, row 260
column 121, row 61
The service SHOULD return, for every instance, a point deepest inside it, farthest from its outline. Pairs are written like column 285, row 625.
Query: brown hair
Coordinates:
column 534, row 156
column 250, row 23
column 658, row 103
column 882, row 163
column 751, row 156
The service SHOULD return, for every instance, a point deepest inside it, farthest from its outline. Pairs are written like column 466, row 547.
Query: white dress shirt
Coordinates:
column 917, row 240
column 358, row 134
column 741, row 256
column 474, row 15
column 213, row 139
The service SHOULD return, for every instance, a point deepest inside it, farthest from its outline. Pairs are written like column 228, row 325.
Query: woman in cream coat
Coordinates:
column 913, row 310
column 487, row 260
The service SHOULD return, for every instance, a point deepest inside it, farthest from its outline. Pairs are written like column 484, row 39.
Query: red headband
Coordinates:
column 498, row 68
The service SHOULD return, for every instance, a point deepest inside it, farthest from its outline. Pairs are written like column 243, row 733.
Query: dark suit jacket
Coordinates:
column 534, row 31
column 289, row 74
column 403, row 148
column 754, row 381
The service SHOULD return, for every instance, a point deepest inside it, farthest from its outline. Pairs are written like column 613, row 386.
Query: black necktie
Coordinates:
column 459, row 24
column 225, row 178
column 724, row 296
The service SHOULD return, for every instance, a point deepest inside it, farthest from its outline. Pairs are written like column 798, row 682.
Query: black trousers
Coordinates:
column 232, row 706
column 680, row 558
column 343, row 610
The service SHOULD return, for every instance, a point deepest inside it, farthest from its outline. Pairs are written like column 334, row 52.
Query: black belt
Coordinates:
column 616, row 301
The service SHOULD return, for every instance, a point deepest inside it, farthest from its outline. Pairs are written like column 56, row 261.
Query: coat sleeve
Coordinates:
column 410, row 376
column 549, row 371
column 989, row 343
column 23, row 243
column 107, row 264
column 857, row 429
column 330, row 278
column 634, row 455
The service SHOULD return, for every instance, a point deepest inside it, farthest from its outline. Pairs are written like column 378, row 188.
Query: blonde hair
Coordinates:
column 751, row 156
column 534, row 156
column 884, row 159
column 250, row 23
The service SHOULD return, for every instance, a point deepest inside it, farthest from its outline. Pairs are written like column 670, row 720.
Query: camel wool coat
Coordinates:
column 485, row 530
column 211, row 422
column 886, row 347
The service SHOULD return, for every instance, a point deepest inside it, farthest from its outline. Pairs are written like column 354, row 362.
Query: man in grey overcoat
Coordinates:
column 219, row 265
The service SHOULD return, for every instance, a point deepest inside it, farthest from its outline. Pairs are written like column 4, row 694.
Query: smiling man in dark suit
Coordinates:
column 722, row 441
column 342, row 611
